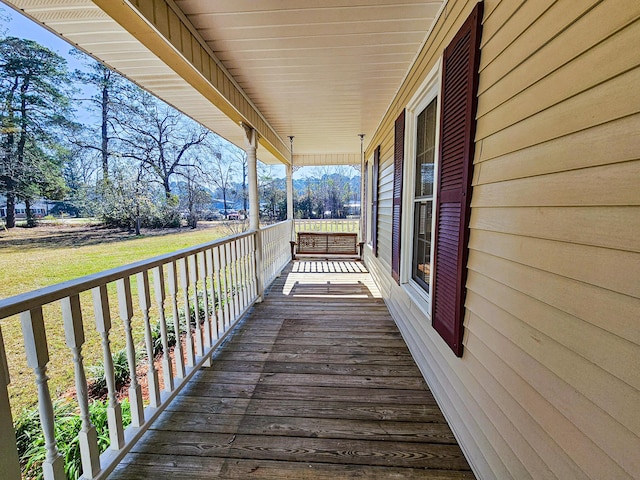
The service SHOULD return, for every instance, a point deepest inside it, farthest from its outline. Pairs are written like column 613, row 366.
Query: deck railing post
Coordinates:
column 126, row 314
column 259, row 265
column 184, row 285
column 9, row 463
column 103, row 326
column 213, row 294
column 193, row 281
column 219, row 294
column 172, row 274
column 74, row 335
column 144, row 299
column 202, row 276
column 159, row 292
column 35, row 343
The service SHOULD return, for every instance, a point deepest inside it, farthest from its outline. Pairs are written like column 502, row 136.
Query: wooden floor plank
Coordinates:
column 427, row 412
column 311, row 427
column 139, row 466
column 307, row 387
column 299, row 449
column 317, row 368
column 317, row 380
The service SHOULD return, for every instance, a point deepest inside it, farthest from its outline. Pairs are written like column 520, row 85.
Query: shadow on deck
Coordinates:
column 316, row 383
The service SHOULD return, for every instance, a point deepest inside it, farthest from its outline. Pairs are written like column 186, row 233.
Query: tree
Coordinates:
column 110, row 101
column 34, row 94
column 220, row 171
column 160, row 138
column 272, row 193
column 239, row 157
column 194, row 198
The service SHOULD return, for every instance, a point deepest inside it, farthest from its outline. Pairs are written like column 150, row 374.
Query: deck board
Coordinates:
column 316, row 383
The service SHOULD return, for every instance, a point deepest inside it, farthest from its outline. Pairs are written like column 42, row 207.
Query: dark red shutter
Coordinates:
column 457, row 131
column 374, row 200
column 363, row 212
column 398, row 160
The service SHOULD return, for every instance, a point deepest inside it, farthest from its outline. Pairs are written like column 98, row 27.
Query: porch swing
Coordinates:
column 324, row 245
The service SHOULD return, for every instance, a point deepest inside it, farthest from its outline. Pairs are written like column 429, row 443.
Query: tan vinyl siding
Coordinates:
column 548, row 385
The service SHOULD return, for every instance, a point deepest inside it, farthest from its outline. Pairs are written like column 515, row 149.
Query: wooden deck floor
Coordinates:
column 316, row 383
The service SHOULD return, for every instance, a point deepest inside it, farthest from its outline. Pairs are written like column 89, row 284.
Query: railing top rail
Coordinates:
column 26, row 301
column 274, row 225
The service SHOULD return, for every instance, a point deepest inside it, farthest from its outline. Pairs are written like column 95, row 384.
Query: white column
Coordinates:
column 251, row 145
column 290, row 192
column 254, row 205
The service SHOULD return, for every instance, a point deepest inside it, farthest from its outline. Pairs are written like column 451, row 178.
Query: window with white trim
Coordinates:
column 424, row 166
column 422, row 137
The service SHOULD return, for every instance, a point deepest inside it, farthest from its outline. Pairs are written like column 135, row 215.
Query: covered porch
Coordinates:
column 316, row 382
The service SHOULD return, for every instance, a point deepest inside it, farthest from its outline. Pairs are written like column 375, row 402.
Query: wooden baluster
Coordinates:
column 159, row 291
column 193, row 281
column 125, row 303
column 252, row 265
column 233, row 256
column 144, row 299
column 202, row 276
column 242, row 274
column 224, row 272
column 249, row 268
column 9, row 463
column 172, row 273
column 214, row 294
column 35, row 343
column 74, row 335
column 103, row 326
column 219, row 291
column 184, row 284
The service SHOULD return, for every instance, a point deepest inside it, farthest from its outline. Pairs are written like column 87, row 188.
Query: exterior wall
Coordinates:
column 548, row 385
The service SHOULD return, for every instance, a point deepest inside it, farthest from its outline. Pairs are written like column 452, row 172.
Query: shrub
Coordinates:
column 30, row 439
column 156, row 335
column 120, row 370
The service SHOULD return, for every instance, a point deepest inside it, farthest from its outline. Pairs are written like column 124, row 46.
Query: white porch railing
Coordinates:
column 275, row 248
column 220, row 278
column 328, row 225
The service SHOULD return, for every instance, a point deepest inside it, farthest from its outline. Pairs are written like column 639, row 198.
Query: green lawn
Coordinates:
column 34, row 258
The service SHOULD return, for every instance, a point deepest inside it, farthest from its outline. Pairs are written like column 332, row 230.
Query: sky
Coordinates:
column 20, row 26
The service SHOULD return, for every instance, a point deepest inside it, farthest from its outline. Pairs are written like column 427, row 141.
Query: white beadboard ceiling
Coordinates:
column 321, row 70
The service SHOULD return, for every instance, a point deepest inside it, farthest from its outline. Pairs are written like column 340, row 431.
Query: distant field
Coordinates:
column 46, row 255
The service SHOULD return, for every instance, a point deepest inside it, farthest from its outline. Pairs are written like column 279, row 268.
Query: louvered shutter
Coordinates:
column 398, row 160
column 374, row 201
column 365, row 182
column 457, row 131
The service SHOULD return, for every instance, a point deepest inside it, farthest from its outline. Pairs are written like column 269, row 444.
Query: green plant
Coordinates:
column 156, row 335
column 30, row 439
column 120, row 371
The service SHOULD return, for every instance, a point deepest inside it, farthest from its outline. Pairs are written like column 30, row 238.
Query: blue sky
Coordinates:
column 20, row 26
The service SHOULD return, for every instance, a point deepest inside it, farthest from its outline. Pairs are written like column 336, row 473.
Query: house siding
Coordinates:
column 548, row 385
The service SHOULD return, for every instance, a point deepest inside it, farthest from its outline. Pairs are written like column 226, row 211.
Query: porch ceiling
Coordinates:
column 321, row 70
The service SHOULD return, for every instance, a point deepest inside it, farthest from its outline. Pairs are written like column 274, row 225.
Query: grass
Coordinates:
column 34, row 258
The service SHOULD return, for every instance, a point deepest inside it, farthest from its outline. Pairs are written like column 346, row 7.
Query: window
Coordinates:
column 420, row 170
column 374, row 200
column 425, row 155
column 440, row 126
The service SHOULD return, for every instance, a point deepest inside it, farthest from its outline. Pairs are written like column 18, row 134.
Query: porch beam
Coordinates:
column 320, row 159
column 162, row 28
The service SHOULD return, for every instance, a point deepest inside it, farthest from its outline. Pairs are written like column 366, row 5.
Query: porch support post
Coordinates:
column 251, row 144
column 289, row 192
